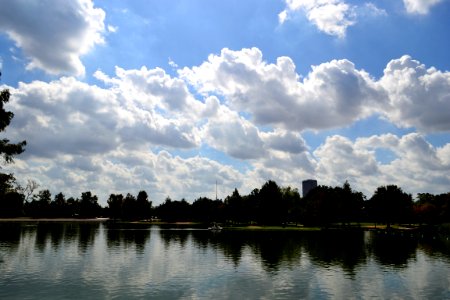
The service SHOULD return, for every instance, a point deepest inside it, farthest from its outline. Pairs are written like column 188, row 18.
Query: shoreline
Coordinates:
column 27, row 219
column 412, row 228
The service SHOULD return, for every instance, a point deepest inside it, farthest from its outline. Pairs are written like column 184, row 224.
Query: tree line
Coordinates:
column 322, row 206
column 269, row 205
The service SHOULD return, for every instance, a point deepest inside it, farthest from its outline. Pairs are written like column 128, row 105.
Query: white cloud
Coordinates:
column 65, row 116
column 285, row 168
column 83, row 137
column 340, row 160
column 330, row 16
column 233, row 135
column 68, row 116
column 284, row 141
column 370, row 10
column 172, row 63
column 154, row 89
column 418, row 97
column 333, row 94
column 145, row 129
column 444, row 154
column 112, row 29
column 420, row 6
column 417, row 167
column 53, row 35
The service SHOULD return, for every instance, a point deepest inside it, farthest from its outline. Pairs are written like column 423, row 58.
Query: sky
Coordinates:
column 172, row 97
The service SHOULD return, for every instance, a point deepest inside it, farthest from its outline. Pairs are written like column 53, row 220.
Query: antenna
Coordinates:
column 216, row 189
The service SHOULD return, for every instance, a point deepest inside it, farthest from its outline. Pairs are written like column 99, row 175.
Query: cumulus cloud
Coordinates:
column 161, row 174
column 53, row 35
column 67, row 116
column 330, row 16
column 417, row 165
column 233, row 135
column 340, row 160
column 239, row 138
column 143, row 129
column 418, row 97
column 419, row 6
column 154, row 89
column 285, row 141
column 333, row 94
column 83, row 137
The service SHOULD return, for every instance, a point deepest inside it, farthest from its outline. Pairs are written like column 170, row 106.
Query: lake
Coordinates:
column 102, row 261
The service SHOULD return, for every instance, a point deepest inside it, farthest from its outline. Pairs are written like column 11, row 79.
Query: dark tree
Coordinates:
column 11, row 201
column 44, row 197
column 8, row 150
column 443, row 201
column 89, row 206
column 40, row 206
column 59, row 206
column 235, row 207
column 115, row 203
column 73, row 207
column 143, row 206
column 252, row 204
column 129, row 207
column 291, row 201
column 320, row 207
column 207, row 210
column 173, row 210
column 390, row 204
column 432, row 209
column 272, row 210
column 350, row 203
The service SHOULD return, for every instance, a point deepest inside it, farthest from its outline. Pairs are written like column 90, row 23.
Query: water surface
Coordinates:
column 100, row 261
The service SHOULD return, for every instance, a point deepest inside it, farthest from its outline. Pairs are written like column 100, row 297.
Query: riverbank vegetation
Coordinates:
column 270, row 205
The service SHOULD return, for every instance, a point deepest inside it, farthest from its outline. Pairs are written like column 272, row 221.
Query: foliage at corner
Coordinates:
column 11, row 200
column 8, row 150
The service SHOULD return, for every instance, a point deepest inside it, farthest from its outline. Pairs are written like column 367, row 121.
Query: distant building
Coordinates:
column 308, row 185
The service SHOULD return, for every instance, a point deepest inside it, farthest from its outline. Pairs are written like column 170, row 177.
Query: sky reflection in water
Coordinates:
column 91, row 260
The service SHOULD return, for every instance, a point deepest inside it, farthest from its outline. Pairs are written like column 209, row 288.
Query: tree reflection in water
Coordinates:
column 127, row 236
column 333, row 248
column 177, row 237
column 393, row 250
column 109, row 260
column 285, row 248
column 437, row 248
column 345, row 249
column 10, row 233
column 87, row 233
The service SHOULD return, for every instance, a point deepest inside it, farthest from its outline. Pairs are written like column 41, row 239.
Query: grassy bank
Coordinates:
column 442, row 230
column 27, row 219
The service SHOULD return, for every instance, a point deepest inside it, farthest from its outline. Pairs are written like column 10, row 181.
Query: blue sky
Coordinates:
column 172, row 96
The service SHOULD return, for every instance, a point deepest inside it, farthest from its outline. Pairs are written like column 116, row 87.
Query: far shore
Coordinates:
column 443, row 228
column 27, row 219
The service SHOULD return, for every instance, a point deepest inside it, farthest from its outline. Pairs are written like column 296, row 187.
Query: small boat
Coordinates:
column 215, row 227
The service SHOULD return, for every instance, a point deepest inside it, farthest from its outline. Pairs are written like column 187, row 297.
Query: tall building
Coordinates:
column 308, row 185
